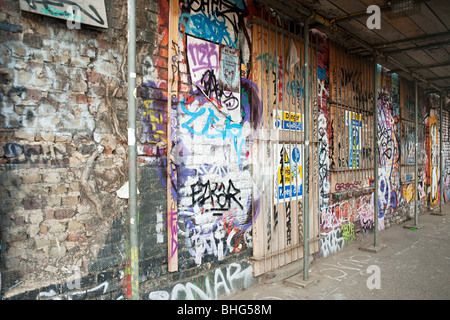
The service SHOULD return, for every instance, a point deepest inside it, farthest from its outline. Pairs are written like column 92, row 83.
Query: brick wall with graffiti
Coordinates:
column 210, row 218
column 62, row 154
column 346, row 208
column 63, row 150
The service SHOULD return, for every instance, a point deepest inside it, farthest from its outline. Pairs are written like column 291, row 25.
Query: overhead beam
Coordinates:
column 438, row 78
column 424, row 47
column 424, row 66
column 315, row 17
column 435, row 36
column 356, row 15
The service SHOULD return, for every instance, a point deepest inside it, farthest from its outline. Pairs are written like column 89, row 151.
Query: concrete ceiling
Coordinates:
column 415, row 44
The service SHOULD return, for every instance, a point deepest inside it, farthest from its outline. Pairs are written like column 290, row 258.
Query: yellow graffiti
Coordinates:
column 408, row 193
column 348, row 232
column 156, row 122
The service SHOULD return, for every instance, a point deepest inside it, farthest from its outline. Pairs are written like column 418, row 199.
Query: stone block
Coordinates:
column 55, row 226
column 24, row 134
column 52, row 177
column 23, row 77
column 31, row 178
column 32, row 203
column 53, row 201
column 45, row 136
column 59, row 189
column 33, row 94
column 32, row 40
column 74, row 226
column 36, row 217
column 41, row 243
column 43, row 229
column 69, row 201
column 74, row 186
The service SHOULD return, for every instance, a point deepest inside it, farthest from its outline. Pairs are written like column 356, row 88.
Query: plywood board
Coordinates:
column 278, row 235
column 442, row 10
column 427, row 21
column 172, row 178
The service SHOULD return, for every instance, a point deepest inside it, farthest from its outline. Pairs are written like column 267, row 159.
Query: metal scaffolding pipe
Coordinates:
column 416, row 48
column 375, row 147
column 306, row 159
column 436, row 36
column 416, row 143
column 441, row 156
column 132, row 158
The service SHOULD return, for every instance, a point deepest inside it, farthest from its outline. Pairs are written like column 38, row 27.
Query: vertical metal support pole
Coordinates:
column 306, row 158
column 441, row 156
column 416, row 130
column 132, row 158
column 375, row 148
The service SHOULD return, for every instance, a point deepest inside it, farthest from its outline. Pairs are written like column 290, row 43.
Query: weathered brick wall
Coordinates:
column 62, row 155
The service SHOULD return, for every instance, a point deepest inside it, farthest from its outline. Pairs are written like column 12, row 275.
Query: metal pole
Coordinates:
column 306, row 158
column 375, row 147
column 441, row 156
column 132, row 159
column 416, row 130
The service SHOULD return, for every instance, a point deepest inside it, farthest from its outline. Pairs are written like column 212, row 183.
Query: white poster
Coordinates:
column 90, row 12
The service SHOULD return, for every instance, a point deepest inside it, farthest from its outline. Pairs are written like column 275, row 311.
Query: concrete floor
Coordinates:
column 413, row 265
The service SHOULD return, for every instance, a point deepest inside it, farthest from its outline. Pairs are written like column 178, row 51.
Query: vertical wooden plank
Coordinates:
column 347, row 114
column 172, row 206
column 257, row 228
column 262, row 227
column 267, row 92
column 333, row 141
column 270, row 78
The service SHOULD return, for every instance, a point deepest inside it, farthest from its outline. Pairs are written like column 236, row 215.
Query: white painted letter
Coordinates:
column 374, row 281
column 374, row 21
column 72, row 21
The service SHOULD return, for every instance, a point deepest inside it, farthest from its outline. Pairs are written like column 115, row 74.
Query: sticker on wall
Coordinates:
column 229, row 69
column 288, row 164
column 285, row 120
column 353, row 121
column 215, row 71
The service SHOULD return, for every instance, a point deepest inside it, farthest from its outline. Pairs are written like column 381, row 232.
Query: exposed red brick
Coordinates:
column 76, row 236
column 161, row 63
column 94, row 77
column 49, row 214
column 32, row 203
column 81, row 98
column 64, row 213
